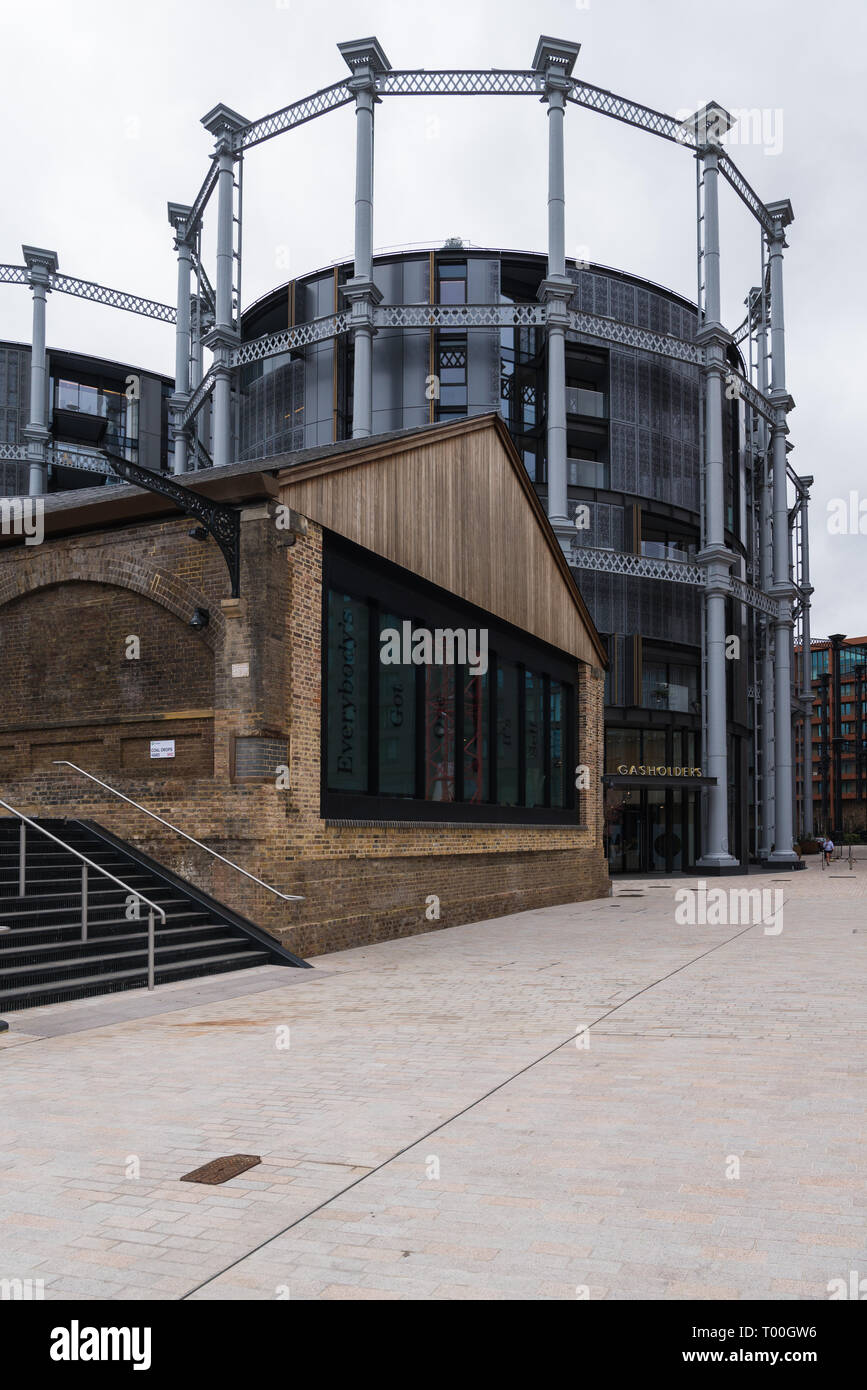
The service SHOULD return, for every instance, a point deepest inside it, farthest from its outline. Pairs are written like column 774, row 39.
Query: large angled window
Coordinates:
column 438, row 727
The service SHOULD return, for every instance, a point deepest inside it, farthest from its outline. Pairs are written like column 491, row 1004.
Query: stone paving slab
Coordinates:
column 589, row 1100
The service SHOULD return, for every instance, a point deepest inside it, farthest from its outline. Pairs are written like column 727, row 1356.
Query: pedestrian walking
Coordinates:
column 829, row 849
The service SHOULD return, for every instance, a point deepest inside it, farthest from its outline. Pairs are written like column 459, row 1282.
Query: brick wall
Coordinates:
column 361, row 883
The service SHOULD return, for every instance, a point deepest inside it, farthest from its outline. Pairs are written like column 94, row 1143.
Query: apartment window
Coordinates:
column 452, row 282
column 669, row 685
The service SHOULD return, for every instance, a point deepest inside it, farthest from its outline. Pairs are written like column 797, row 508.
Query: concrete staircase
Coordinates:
column 43, row 959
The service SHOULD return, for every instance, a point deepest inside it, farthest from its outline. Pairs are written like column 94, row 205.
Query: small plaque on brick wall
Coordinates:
column 162, row 748
column 240, row 668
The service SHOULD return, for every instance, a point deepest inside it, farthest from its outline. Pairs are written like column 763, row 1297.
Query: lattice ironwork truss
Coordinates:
column 755, row 598
column 290, row 339
column 753, row 396
column 641, row 566
column 665, row 344
column 674, row 571
column 200, row 202
column 307, row 109
column 199, row 396
column 116, row 299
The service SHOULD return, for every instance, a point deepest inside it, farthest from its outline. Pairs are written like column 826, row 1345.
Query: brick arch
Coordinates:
column 40, row 571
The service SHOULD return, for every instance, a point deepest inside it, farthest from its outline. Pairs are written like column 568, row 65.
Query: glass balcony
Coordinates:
column 586, row 473
column 580, row 401
column 665, row 696
column 665, row 550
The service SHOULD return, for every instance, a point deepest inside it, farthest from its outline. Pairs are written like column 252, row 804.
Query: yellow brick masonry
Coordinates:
column 361, row 884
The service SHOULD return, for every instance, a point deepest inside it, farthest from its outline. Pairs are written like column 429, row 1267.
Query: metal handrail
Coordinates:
column 288, row 897
column 85, row 864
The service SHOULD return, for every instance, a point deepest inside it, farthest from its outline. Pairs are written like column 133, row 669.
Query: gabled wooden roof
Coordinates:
column 453, row 503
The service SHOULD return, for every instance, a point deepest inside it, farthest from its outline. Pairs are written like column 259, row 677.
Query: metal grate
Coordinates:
column 220, row 1170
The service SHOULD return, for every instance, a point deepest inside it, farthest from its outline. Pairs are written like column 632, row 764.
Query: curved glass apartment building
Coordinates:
column 633, row 474
column 634, row 479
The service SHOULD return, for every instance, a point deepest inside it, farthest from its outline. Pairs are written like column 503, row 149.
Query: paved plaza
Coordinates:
column 591, row 1100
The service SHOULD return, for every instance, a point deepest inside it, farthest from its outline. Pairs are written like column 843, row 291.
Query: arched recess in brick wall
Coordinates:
column 31, row 572
column 77, row 687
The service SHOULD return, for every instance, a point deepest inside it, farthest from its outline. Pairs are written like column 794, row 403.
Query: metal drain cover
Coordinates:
column 222, row 1169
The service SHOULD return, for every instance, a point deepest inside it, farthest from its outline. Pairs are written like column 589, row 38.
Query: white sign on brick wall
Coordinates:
column 162, row 748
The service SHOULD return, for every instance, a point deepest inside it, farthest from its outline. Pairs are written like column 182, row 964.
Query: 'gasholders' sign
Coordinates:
column 647, row 771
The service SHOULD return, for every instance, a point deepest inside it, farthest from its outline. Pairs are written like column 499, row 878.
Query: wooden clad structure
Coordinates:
column 454, row 505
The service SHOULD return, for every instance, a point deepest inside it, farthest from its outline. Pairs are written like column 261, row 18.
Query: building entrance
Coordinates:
column 651, row 829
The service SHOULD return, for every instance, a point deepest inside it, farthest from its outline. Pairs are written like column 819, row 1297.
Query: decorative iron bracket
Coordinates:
column 222, row 522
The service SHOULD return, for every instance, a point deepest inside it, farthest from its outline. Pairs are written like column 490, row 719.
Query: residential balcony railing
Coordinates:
column 655, row 696
column 581, row 401
column 586, row 473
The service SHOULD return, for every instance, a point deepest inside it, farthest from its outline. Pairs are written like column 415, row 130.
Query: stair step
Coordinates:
column 42, row 956
column 47, row 970
column 11, row 948
column 28, row 996
column 47, row 903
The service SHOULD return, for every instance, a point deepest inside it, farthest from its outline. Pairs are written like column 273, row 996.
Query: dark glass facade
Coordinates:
column 410, row 739
column 92, row 405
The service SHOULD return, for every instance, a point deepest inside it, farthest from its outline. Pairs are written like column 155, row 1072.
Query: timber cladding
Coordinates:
column 242, row 697
column 456, row 508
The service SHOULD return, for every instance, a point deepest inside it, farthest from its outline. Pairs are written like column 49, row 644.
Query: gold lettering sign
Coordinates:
column 646, row 771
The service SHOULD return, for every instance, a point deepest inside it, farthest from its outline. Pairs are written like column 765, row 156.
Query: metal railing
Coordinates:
column 85, row 865
column 287, row 897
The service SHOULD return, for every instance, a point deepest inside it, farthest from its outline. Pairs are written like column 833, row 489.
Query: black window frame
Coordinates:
column 387, row 587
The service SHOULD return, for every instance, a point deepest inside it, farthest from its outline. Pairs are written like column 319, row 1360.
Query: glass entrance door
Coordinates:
column 651, row 830
column 625, row 830
column 657, row 833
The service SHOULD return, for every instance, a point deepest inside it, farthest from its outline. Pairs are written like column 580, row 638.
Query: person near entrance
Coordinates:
column 828, row 848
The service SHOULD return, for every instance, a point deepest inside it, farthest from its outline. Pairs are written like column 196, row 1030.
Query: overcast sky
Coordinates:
column 103, row 100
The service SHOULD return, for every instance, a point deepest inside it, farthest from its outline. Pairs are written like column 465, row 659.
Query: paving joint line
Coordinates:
column 450, row 1119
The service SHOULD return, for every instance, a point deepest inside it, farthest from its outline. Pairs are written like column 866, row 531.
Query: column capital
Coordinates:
column 782, row 216
column 553, row 61
column 179, row 216
column 42, row 264
column 782, row 403
column 783, row 593
column 221, row 338
column 224, row 124
column 363, row 295
column 707, row 127
column 364, row 58
column 555, row 292
column 717, row 561
column 714, row 335
column 36, row 434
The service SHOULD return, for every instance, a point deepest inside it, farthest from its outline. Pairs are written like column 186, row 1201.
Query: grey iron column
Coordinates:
column 178, row 217
column 766, row 560
column 41, row 265
column 782, row 590
column 806, row 657
column 365, row 59
column 717, row 559
column 554, row 60
column 224, row 124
